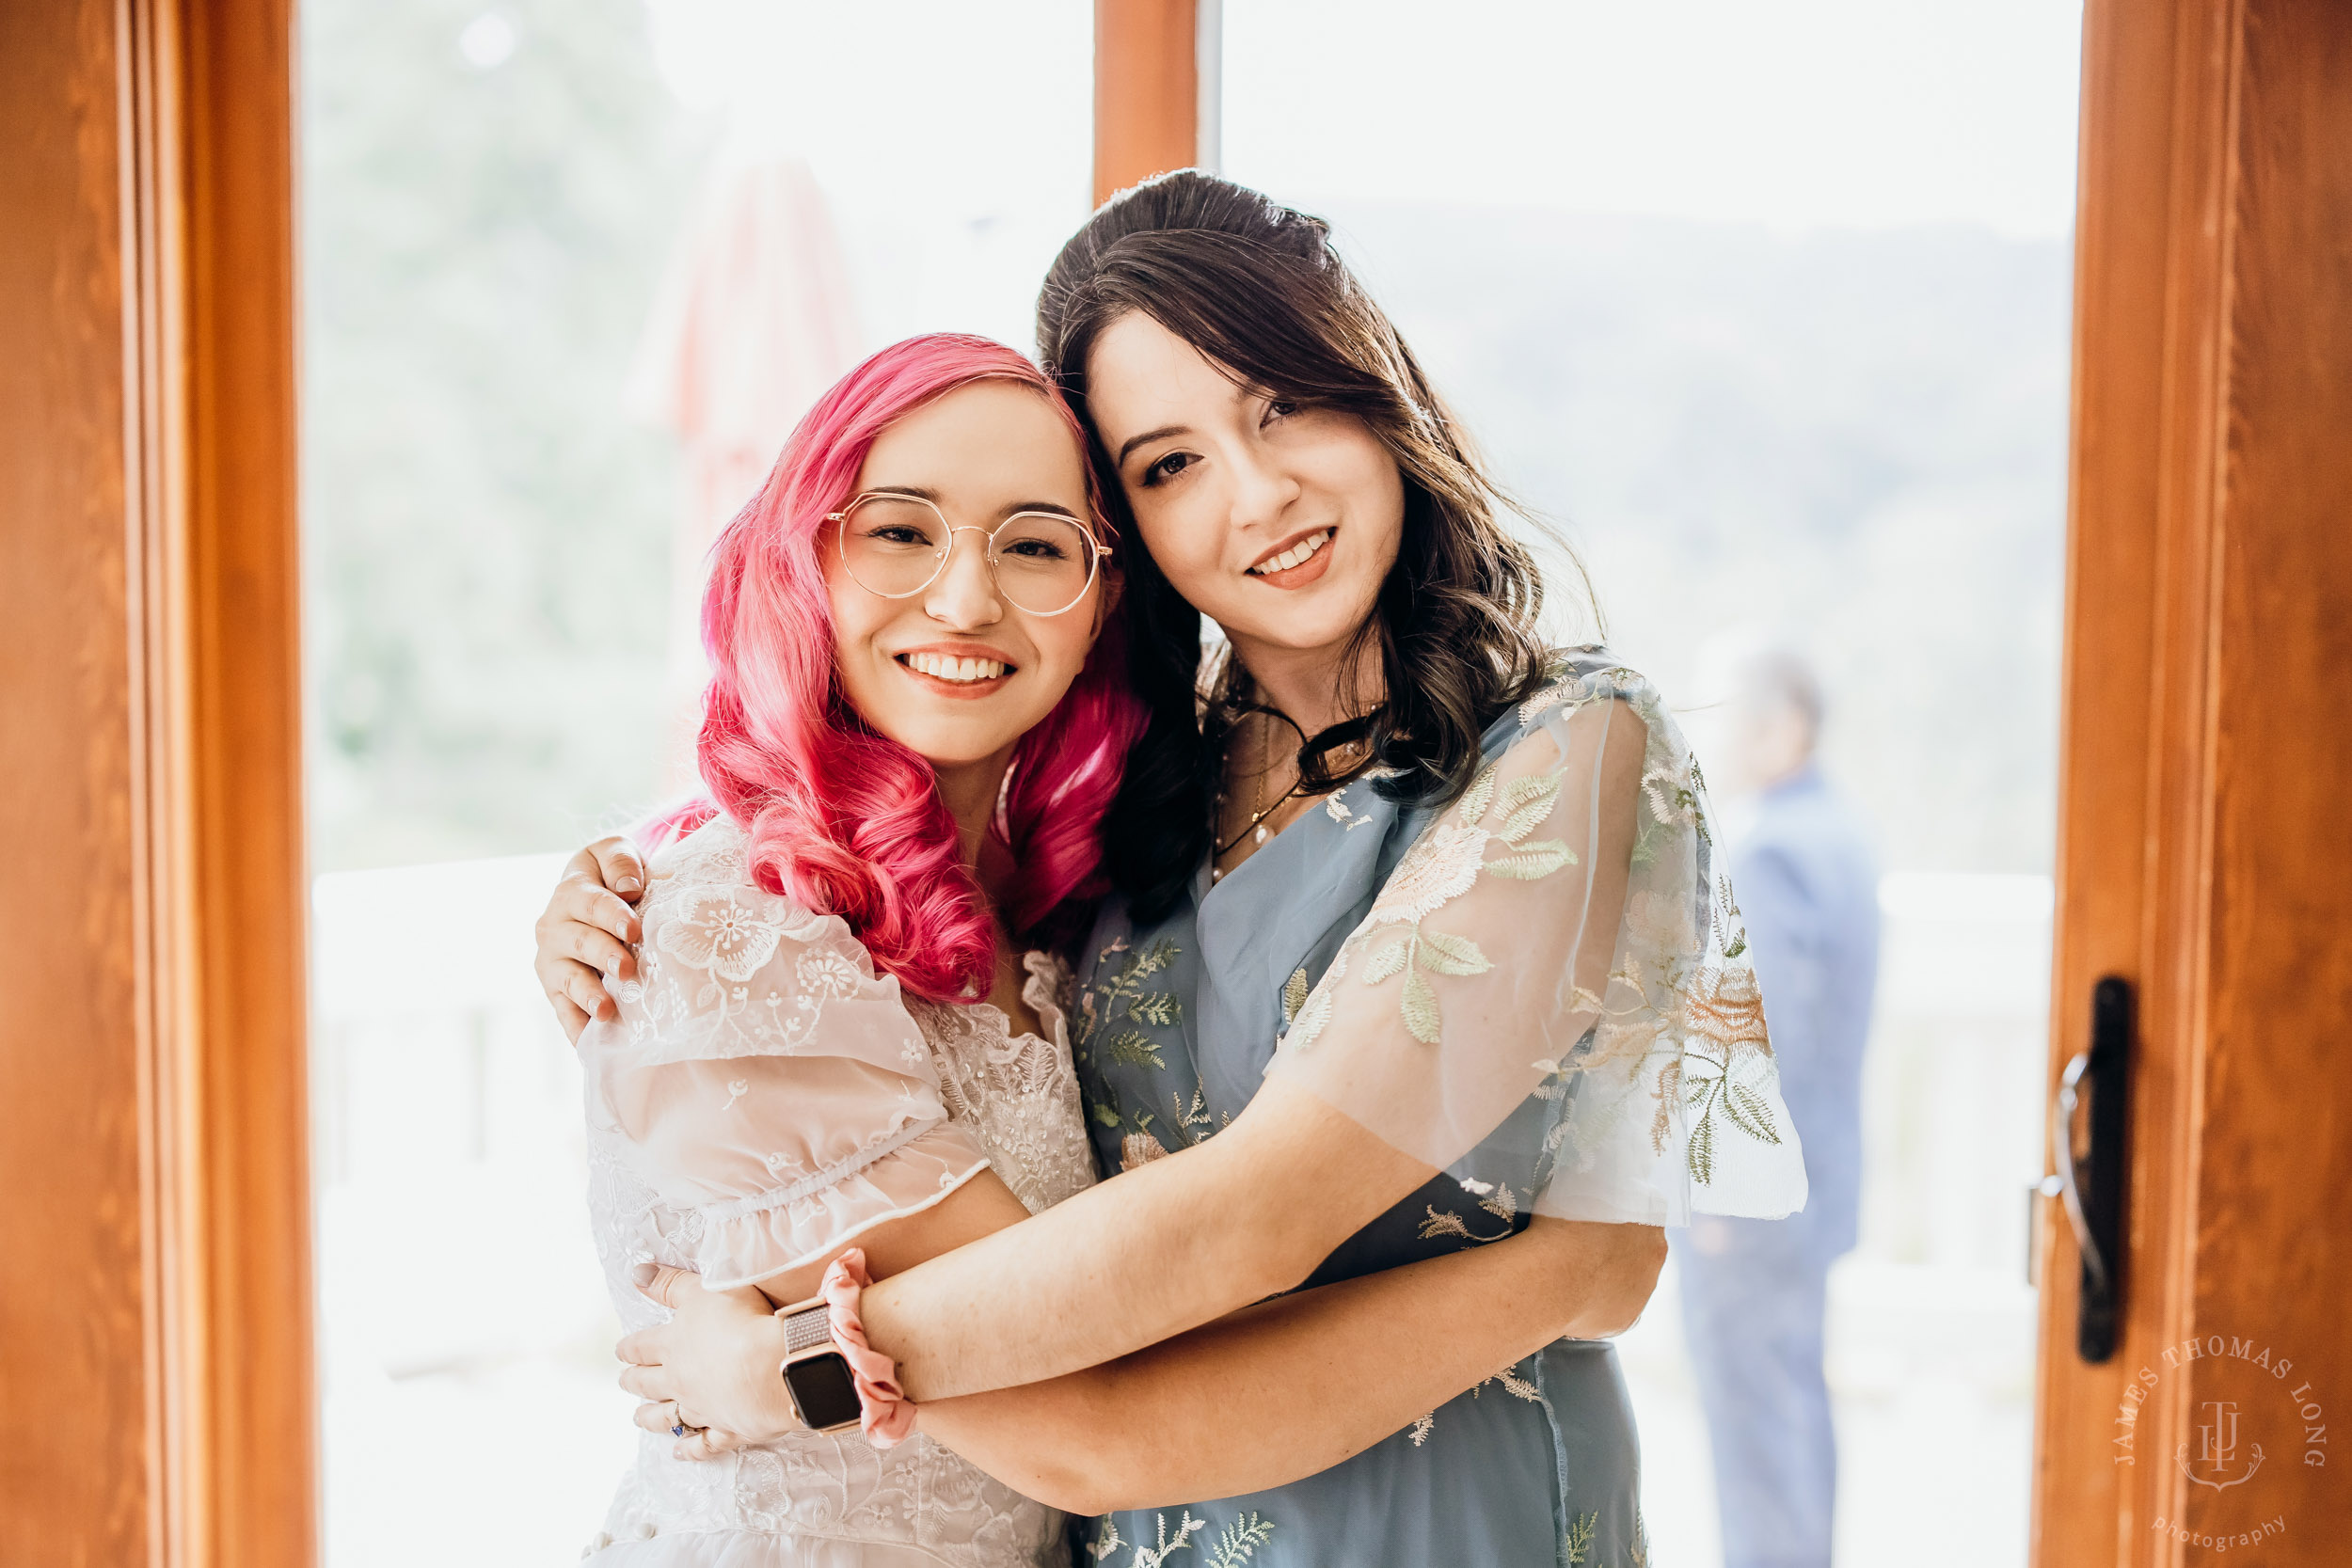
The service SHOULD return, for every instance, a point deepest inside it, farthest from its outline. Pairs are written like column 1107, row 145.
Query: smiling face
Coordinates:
column 955, row 672
column 1277, row 522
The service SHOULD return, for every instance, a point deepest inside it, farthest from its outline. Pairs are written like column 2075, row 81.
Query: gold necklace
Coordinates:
column 1256, row 825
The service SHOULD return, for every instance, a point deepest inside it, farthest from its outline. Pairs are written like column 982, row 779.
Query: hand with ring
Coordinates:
column 709, row 1377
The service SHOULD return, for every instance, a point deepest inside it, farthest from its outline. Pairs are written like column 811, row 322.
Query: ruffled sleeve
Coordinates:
column 761, row 1076
column 1551, row 996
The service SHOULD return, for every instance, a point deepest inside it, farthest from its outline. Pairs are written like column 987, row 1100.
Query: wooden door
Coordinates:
column 1153, row 62
column 2207, row 758
column 153, row 1281
column 155, row 1216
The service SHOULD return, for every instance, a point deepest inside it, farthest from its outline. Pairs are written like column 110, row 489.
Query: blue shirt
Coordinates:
column 1809, row 886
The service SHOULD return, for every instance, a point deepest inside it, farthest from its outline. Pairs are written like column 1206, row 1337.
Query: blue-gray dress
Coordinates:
column 1181, row 1018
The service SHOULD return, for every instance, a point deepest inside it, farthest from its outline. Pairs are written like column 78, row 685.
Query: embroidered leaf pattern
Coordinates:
column 1188, row 1527
column 1730, row 929
column 1526, row 801
column 1535, row 860
column 1519, row 1388
column 1746, row 1107
column 1133, row 1048
column 1388, row 961
column 1152, row 960
column 1240, row 1541
column 1442, row 954
column 1443, row 1223
column 1479, row 796
column 1159, row 1007
column 1671, row 1028
column 1316, row 1014
column 1320, row 1001
column 1124, row 995
column 1513, row 1385
column 1551, row 697
column 1421, row 1009
column 1673, row 1035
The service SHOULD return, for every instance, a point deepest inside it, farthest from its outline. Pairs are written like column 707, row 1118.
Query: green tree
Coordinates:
column 484, row 226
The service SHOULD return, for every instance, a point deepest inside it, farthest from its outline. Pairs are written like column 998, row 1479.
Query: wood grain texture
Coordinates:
column 74, row 1347
column 2273, row 1257
column 156, row 1309
column 1146, row 88
column 246, row 801
column 2203, row 741
column 2148, row 317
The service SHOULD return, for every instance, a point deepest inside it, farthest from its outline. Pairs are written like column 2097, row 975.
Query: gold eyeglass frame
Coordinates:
column 1097, row 550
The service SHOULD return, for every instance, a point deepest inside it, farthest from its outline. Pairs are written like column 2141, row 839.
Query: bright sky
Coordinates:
column 963, row 108
column 1795, row 113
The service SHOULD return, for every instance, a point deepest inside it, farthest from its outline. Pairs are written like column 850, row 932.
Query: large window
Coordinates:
column 1766, row 308
column 571, row 272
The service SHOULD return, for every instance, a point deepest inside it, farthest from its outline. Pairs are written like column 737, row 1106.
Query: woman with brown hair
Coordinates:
column 1417, row 1002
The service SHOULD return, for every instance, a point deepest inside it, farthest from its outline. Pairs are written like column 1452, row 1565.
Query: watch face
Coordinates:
column 822, row 1391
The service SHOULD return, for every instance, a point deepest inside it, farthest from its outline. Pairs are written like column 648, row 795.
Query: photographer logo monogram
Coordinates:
column 2217, row 1448
column 2258, row 1413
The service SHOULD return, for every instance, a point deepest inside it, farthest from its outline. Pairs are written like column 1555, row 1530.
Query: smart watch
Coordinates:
column 816, row 1373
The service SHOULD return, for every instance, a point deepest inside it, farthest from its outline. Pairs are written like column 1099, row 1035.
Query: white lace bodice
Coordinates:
column 810, row 1500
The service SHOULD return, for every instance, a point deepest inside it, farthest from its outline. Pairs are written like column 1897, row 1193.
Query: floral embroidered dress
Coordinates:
column 1541, row 991
column 763, row 1098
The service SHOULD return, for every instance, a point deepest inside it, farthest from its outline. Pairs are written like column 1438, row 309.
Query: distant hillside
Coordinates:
column 1861, row 436
column 486, row 530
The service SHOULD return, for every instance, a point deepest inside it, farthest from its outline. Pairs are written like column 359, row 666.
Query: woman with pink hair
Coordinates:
column 831, row 1039
column 1418, row 1007
column 838, row 1045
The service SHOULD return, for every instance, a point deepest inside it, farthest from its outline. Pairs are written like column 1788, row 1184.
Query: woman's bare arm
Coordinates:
column 1167, row 1247
column 1184, row 1240
column 717, row 1357
column 1173, row 1256
column 1236, row 1218
column 1293, row 1386
column 1274, row 1392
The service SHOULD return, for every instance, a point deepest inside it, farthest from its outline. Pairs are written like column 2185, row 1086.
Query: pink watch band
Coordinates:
column 886, row 1415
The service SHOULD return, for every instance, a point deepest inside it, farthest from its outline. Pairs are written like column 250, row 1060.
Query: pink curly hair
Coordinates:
column 842, row 818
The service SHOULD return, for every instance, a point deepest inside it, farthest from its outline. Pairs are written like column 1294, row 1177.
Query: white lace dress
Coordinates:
column 764, row 1098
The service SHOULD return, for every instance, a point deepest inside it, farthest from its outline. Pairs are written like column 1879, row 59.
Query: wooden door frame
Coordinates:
column 2206, row 319
column 160, row 1298
column 159, row 1295
column 2145, row 317
column 1156, row 86
column 161, row 1367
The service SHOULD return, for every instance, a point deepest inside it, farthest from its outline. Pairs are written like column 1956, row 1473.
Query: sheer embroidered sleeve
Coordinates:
column 762, row 1077
column 1551, row 995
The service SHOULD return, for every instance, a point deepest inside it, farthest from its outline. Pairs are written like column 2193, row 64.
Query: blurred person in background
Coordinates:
column 1754, row 1292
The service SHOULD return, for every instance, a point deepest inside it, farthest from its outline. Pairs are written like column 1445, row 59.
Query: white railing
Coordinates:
column 466, row 1343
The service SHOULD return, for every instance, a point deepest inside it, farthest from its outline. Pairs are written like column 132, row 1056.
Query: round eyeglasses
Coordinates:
column 894, row 546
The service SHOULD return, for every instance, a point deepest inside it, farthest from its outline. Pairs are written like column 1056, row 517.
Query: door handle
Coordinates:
column 2092, row 1187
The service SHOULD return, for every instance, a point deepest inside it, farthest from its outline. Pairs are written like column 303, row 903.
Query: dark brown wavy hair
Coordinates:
column 1258, row 289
